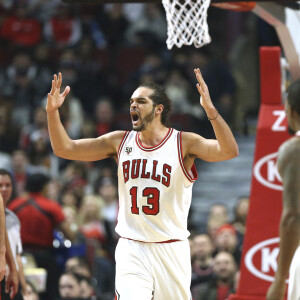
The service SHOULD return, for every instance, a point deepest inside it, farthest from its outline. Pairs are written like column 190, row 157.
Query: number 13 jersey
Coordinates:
column 155, row 189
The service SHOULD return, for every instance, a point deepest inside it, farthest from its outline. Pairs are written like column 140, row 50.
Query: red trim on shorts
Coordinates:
column 164, row 140
column 163, row 242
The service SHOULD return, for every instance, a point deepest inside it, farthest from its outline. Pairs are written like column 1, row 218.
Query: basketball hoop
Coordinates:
column 187, row 22
column 236, row 6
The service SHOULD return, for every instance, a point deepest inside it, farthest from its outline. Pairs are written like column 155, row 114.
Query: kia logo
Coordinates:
column 265, row 171
column 261, row 259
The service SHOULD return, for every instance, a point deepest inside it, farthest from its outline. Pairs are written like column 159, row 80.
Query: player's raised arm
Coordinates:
column 84, row 149
column 225, row 146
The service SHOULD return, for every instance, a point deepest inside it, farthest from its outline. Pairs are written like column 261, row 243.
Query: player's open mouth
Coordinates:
column 134, row 117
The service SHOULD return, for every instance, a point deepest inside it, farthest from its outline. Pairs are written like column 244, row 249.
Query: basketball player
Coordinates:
column 2, row 240
column 6, row 257
column 289, row 168
column 155, row 171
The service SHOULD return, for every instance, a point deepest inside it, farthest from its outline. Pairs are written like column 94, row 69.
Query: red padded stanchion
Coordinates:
column 260, row 249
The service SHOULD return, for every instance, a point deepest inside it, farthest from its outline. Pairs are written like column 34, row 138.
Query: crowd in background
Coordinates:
column 104, row 52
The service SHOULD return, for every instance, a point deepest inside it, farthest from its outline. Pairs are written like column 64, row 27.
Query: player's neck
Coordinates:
column 153, row 134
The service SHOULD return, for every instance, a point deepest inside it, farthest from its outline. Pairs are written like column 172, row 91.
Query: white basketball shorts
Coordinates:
column 294, row 279
column 153, row 271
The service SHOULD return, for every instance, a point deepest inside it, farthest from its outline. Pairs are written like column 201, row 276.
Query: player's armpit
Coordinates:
column 205, row 149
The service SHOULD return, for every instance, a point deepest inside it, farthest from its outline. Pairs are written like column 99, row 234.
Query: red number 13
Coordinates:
column 152, row 195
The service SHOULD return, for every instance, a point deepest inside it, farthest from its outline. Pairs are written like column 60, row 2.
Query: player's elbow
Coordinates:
column 233, row 152
column 64, row 150
column 291, row 219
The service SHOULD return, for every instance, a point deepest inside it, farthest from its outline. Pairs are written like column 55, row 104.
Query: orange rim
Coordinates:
column 236, row 6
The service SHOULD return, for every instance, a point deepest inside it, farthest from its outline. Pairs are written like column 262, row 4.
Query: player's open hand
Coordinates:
column 205, row 100
column 55, row 99
column 12, row 283
column 276, row 291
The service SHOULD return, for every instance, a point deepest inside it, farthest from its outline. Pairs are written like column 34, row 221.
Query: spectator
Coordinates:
column 114, row 25
column 90, row 219
column 69, row 286
column 64, row 28
column 37, row 231
column 20, row 76
column 202, row 260
column 226, row 240
column 32, row 293
column 20, row 169
column 222, row 285
column 240, row 215
column 219, row 211
column 13, row 232
column 9, row 132
column 86, row 288
column 20, row 29
column 107, row 189
column 150, row 29
column 105, row 116
column 39, row 124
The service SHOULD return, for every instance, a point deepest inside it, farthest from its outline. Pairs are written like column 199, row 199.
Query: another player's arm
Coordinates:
column 84, row 149
column 21, row 275
column 225, row 146
column 2, row 240
column 12, row 280
column 289, row 228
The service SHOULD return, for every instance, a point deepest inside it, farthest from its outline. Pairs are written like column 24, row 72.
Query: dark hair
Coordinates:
column 7, row 173
column 76, row 276
column 159, row 96
column 294, row 96
column 36, row 182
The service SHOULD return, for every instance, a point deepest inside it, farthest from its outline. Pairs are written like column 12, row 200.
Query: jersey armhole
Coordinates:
column 191, row 175
column 122, row 143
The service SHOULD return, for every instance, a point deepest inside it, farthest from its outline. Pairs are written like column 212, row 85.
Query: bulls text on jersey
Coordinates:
column 136, row 168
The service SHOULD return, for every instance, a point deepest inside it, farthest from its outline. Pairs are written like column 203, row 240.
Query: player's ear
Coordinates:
column 159, row 109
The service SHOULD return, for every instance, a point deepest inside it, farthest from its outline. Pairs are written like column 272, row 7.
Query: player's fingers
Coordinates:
column 52, row 88
column 49, row 97
column 199, row 88
column 55, row 80
column 13, row 293
column 66, row 91
column 199, row 76
column 7, row 285
column 59, row 80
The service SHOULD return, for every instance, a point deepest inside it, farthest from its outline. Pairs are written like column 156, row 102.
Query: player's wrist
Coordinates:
column 212, row 113
column 280, row 279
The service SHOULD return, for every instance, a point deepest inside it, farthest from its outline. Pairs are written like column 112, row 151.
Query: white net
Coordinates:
column 187, row 22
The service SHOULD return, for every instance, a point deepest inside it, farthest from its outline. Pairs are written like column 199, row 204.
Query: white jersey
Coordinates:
column 155, row 189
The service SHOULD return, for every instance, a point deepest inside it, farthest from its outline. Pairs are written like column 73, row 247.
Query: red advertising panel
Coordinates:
column 261, row 248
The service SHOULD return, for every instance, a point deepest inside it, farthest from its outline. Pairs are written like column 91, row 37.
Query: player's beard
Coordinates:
column 145, row 121
column 291, row 131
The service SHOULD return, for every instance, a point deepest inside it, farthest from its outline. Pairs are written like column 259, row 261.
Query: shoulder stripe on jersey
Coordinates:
column 140, row 145
column 191, row 177
column 122, row 143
